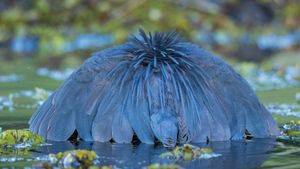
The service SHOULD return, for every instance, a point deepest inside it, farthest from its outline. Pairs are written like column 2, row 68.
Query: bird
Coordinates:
column 157, row 87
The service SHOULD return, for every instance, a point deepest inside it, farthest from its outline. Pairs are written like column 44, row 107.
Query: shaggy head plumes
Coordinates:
column 156, row 50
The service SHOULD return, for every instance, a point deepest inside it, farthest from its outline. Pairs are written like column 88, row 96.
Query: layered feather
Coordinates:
column 153, row 81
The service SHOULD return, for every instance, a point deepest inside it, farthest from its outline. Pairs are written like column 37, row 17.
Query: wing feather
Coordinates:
column 237, row 101
column 75, row 104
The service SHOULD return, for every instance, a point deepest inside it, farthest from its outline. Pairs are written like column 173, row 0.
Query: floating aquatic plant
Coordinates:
column 189, row 152
column 290, row 132
column 19, row 139
column 17, row 145
column 163, row 166
column 76, row 158
column 71, row 159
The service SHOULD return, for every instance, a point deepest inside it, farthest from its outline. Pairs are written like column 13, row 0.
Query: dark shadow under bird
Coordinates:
column 154, row 86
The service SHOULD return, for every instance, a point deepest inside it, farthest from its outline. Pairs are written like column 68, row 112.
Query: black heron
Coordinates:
column 155, row 86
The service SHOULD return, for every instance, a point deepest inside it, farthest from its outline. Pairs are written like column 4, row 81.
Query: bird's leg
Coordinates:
column 164, row 126
column 184, row 135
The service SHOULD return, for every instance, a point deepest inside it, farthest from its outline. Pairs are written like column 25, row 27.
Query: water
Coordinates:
column 235, row 154
column 23, row 87
column 257, row 153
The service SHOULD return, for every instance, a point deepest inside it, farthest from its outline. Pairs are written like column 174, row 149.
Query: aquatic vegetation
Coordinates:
column 10, row 150
column 290, row 132
column 76, row 158
column 17, row 145
column 163, row 166
column 53, row 166
column 19, row 139
column 73, row 159
column 292, row 128
column 56, row 37
column 189, row 152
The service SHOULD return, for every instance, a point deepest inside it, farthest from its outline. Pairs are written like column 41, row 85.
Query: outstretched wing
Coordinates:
column 234, row 98
column 83, row 103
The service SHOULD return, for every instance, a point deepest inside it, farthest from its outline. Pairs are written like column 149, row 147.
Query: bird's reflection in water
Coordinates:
column 235, row 154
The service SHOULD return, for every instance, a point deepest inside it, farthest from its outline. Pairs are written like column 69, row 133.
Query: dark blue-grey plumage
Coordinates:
column 154, row 86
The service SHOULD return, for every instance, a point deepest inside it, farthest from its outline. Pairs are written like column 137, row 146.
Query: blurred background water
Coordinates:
column 43, row 41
